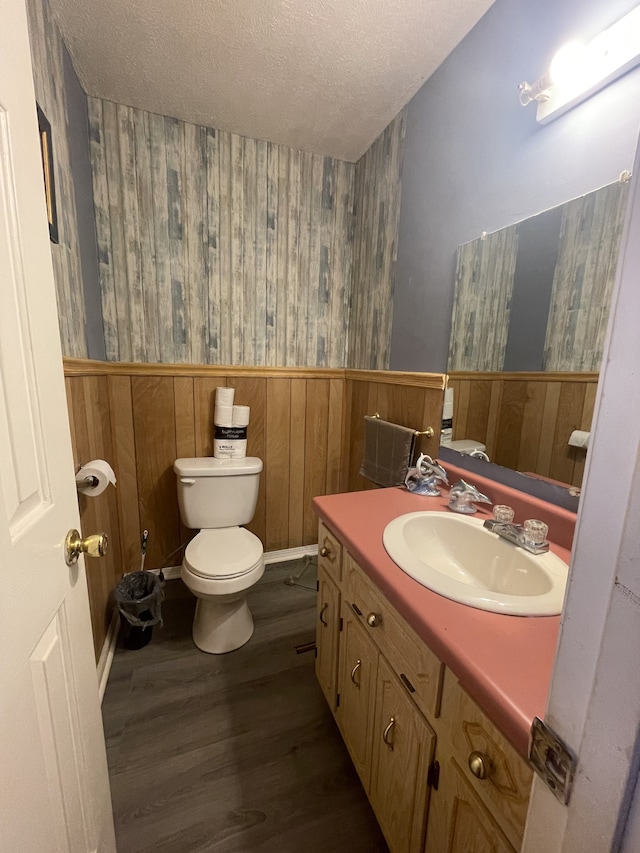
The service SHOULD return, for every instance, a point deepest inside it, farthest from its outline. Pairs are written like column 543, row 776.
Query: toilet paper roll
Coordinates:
column 224, row 396
column 94, row 477
column 241, row 415
column 223, row 416
column 579, row 438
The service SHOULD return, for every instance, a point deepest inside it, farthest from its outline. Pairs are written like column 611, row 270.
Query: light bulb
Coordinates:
column 568, row 66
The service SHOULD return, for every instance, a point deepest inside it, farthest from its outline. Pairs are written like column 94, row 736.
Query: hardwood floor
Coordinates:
column 231, row 753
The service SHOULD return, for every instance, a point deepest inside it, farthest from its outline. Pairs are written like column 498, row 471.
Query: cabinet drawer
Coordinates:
column 506, row 788
column 417, row 667
column 329, row 553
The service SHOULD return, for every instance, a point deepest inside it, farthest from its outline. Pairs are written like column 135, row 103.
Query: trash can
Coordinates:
column 139, row 596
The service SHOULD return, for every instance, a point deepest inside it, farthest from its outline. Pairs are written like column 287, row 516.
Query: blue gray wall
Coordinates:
column 475, row 160
column 78, row 131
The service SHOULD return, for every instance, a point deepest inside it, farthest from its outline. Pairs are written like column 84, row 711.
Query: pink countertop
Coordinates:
column 504, row 662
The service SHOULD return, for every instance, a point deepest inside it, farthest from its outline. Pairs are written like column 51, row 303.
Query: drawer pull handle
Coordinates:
column 481, row 765
column 324, row 551
column 407, row 683
column 353, row 673
column 387, row 732
column 356, row 609
column 324, row 607
column 374, row 619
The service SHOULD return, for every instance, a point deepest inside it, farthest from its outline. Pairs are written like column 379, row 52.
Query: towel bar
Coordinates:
column 428, row 431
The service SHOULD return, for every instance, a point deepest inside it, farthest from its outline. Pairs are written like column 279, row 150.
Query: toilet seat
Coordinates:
column 223, row 553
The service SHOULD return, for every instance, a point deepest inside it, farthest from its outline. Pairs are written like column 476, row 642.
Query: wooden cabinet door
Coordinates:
column 356, row 686
column 327, row 632
column 403, row 746
column 459, row 822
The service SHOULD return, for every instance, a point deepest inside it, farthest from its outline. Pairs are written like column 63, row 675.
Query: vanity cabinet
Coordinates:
column 327, row 632
column 390, row 742
column 328, row 612
column 403, row 744
column 418, row 741
column 459, row 822
column 495, row 772
column 356, row 692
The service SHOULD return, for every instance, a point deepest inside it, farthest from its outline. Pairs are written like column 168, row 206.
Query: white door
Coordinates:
column 54, row 790
column 594, row 701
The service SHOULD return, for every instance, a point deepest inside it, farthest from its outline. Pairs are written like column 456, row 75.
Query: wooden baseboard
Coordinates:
column 106, row 655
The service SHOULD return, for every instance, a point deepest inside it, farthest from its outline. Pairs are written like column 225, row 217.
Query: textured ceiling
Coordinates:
column 319, row 75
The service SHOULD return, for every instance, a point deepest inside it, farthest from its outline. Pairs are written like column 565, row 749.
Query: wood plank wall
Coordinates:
column 410, row 399
column 525, row 419
column 47, row 54
column 216, row 248
column 92, row 437
column 306, row 425
column 378, row 189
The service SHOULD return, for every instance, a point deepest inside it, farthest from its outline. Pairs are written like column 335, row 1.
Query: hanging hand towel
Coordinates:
column 388, row 449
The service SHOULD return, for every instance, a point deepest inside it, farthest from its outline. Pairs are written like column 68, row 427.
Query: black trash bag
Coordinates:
column 139, row 596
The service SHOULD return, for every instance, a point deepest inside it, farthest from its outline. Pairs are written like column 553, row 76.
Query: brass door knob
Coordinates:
column 374, row 619
column 480, row 765
column 93, row 546
column 324, row 552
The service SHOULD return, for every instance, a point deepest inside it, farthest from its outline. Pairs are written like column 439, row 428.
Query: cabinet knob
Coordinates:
column 480, row 765
column 374, row 619
column 324, row 551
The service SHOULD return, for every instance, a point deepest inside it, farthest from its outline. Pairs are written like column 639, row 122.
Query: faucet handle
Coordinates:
column 534, row 532
column 503, row 514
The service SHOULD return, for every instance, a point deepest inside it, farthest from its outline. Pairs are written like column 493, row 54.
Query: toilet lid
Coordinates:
column 223, row 553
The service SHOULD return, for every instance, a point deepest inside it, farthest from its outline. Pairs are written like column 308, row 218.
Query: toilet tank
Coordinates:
column 217, row 492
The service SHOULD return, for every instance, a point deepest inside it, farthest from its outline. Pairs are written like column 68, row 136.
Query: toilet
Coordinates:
column 224, row 560
column 467, row 446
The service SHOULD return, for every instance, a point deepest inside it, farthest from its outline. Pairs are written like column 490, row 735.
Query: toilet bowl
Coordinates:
column 219, row 568
column 224, row 560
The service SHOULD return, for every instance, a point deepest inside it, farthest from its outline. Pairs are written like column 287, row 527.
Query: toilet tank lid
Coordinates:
column 208, row 466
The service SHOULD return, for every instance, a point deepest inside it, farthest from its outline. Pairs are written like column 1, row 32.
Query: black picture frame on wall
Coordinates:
column 46, row 150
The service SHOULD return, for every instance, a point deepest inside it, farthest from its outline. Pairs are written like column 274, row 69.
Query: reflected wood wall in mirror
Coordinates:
column 535, row 296
column 525, row 419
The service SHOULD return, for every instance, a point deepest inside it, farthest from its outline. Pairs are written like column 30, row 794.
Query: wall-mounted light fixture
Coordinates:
column 579, row 70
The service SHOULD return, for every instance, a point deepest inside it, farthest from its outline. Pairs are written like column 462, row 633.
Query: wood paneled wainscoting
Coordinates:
column 306, row 425
column 525, row 419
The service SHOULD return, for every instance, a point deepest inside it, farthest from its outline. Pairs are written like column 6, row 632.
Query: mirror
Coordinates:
column 529, row 320
column 535, row 295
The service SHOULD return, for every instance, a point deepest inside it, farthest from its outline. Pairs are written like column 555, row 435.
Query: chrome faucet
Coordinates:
column 463, row 496
column 531, row 535
column 425, row 476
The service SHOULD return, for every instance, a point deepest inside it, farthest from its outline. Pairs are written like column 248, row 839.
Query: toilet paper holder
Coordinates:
column 91, row 481
column 92, row 478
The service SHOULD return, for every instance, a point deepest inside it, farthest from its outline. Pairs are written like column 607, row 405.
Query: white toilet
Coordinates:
column 224, row 560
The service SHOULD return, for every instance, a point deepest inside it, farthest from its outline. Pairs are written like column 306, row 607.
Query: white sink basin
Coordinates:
column 457, row 557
